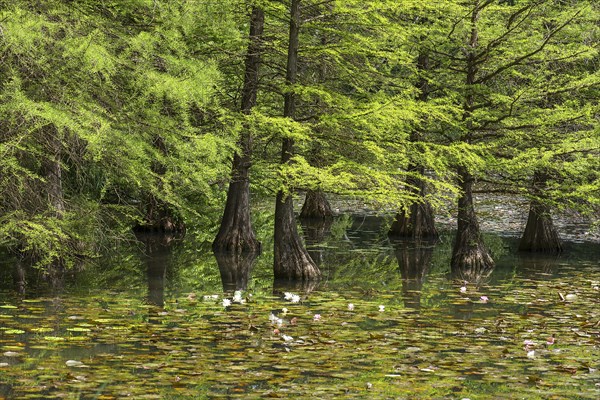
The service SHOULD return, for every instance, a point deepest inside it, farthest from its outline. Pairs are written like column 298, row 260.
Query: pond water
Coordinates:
column 388, row 320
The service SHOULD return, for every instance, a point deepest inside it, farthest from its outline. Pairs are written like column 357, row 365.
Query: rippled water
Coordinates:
column 388, row 320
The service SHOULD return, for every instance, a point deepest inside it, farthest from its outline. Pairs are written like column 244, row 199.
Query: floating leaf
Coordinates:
column 14, row 331
column 78, row 329
column 42, row 330
column 54, row 338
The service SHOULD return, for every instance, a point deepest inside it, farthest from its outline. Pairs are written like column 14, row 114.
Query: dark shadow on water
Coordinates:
column 235, row 269
column 414, row 261
column 535, row 265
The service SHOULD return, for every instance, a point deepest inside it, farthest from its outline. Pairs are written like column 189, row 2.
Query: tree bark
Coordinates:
column 236, row 233
column 159, row 216
column 52, row 171
column 291, row 260
column 316, row 206
column 418, row 222
column 470, row 257
column 540, row 235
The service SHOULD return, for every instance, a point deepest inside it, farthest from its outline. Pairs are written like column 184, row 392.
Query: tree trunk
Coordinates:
column 236, row 233
column 316, row 206
column 540, row 234
column 419, row 221
column 52, row 171
column 470, row 257
column 159, row 215
column 291, row 260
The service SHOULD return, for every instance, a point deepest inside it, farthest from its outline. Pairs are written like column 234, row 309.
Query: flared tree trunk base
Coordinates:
column 236, row 234
column 418, row 224
column 316, row 206
column 471, row 259
column 540, row 234
column 159, row 219
column 291, row 260
column 473, row 264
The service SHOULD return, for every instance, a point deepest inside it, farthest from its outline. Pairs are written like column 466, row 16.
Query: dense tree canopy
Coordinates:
column 128, row 113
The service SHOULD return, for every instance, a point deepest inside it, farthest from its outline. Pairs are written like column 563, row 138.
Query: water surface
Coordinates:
column 388, row 320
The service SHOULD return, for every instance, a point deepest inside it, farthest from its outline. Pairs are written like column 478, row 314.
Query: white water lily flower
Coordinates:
column 295, row 298
column 284, row 310
column 317, row 317
column 288, row 295
column 531, row 354
column 381, row 308
column 226, row 302
column 350, row 307
column 237, row 297
column 287, row 338
column 463, row 289
column 272, row 317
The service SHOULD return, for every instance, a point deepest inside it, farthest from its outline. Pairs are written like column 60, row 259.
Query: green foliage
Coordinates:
column 107, row 106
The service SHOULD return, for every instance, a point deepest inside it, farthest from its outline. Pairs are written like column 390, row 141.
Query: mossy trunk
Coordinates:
column 291, row 260
column 469, row 254
column 236, row 234
column 316, row 206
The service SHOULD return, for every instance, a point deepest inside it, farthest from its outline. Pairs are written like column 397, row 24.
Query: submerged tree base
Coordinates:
column 540, row 234
column 418, row 224
column 316, row 206
column 291, row 260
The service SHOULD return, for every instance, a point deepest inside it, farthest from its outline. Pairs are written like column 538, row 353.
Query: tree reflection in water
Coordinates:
column 157, row 254
column 235, row 269
column 414, row 260
column 315, row 231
